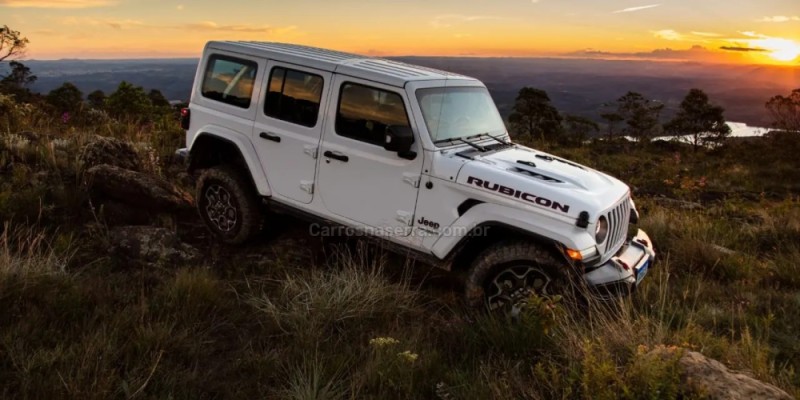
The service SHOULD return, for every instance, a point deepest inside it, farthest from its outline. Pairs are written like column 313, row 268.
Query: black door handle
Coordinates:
column 270, row 136
column 336, row 156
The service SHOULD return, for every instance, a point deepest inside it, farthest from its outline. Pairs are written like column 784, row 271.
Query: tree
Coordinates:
column 703, row 122
column 97, row 99
column 640, row 115
column 612, row 119
column 17, row 81
column 12, row 43
column 579, row 128
column 534, row 116
column 66, row 98
column 785, row 111
column 129, row 102
column 157, row 99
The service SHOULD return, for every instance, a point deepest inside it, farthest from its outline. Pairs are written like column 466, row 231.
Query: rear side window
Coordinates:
column 365, row 113
column 294, row 96
column 230, row 80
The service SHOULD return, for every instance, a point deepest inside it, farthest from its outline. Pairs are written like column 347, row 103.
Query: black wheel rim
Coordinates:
column 221, row 212
column 511, row 288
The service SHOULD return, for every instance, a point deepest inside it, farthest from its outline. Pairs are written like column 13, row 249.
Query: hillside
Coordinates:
column 577, row 86
column 111, row 288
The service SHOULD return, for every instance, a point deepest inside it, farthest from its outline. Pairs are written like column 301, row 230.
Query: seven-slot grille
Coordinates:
column 618, row 220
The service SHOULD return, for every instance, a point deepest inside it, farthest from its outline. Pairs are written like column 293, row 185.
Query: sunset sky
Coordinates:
column 754, row 31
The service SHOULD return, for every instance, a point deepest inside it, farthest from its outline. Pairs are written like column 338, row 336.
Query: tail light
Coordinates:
column 186, row 117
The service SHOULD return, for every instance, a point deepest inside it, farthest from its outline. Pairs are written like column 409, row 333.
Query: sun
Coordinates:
column 783, row 50
column 785, row 55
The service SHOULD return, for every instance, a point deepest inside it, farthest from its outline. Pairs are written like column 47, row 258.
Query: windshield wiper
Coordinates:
column 497, row 138
column 462, row 140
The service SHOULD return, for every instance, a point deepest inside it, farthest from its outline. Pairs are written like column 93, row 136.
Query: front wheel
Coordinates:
column 505, row 275
column 228, row 205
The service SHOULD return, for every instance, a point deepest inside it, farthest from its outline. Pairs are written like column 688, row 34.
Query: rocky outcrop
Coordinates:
column 711, row 379
column 138, row 190
column 110, row 151
column 150, row 245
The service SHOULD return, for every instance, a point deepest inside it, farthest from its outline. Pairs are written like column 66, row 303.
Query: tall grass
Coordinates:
column 28, row 251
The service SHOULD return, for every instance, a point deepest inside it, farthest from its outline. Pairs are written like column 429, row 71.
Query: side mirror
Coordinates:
column 399, row 139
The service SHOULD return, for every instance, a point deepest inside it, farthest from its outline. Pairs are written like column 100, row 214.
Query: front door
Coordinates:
column 288, row 127
column 358, row 179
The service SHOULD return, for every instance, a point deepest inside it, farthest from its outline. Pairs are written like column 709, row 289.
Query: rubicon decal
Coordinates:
column 518, row 194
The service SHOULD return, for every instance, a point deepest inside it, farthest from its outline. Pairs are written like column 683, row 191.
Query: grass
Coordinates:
column 270, row 320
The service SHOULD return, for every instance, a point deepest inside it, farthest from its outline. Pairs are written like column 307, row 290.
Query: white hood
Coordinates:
column 543, row 181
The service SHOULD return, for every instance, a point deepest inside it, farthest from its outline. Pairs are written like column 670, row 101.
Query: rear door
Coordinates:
column 358, row 179
column 288, row 126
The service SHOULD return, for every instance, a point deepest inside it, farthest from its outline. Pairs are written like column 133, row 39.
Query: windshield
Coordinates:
column 459, row 112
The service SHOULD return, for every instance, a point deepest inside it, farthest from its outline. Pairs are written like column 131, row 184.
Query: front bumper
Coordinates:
column 623, row 272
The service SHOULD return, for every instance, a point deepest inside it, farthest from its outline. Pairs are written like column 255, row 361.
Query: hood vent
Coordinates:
column 535, row 175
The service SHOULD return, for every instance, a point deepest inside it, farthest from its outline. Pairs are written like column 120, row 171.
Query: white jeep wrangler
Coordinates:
column 415, row 157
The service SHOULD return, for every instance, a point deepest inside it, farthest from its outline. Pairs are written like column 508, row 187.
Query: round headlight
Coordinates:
column 601, row 232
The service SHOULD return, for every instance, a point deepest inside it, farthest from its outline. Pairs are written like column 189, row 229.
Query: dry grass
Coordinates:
column 259, row 323
column 28, row 251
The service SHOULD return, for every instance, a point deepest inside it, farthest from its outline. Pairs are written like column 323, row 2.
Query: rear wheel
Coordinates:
column 505, row 275
column 228, row 205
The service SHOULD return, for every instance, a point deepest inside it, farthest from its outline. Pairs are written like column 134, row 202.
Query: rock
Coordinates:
column 709, row 378
column 135, row 189
column 151, row 245
column 110, row 151
column 115, row 213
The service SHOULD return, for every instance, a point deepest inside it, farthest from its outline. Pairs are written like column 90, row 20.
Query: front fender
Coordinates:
column 539, row 225
column 246, row 149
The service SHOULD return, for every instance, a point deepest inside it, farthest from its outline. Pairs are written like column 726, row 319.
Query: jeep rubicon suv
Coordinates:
column 416, row 157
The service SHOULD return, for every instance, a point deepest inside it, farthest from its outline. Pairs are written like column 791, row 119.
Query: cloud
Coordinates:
column 706, row 34
column 695, row 53
column 446, row 21
column 109, row 22
column 55, row 3
column 211, row 26
column 779, row 18
column 740, row 48
column 668, row 34
column 634, row 9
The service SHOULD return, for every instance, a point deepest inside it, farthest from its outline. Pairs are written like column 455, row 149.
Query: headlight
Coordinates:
column 601, row 232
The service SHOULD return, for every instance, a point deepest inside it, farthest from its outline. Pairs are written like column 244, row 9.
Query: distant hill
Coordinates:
column 577, row 86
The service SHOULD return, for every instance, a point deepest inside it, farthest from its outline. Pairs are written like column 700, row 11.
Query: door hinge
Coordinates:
column 412, row 179
column 311, row 151
column 405, row 217
column 307, row 186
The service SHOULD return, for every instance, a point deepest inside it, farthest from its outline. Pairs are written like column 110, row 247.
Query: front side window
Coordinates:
column 365, row 113
column 230, row 80
column 294, row 96
column 459, row 112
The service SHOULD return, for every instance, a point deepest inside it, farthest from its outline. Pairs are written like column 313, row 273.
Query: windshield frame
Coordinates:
column 500, row 131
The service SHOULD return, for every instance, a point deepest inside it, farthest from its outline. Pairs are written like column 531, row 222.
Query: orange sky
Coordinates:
column 753, row 31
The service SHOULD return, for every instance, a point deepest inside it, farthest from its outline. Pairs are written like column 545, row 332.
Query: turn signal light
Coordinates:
column 574, row 255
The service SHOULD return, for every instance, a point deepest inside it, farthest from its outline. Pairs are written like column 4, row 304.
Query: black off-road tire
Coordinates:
column 228, row 204
column 514, row 256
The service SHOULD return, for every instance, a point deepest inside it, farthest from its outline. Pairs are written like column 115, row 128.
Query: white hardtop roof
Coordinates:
column 375, row 69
